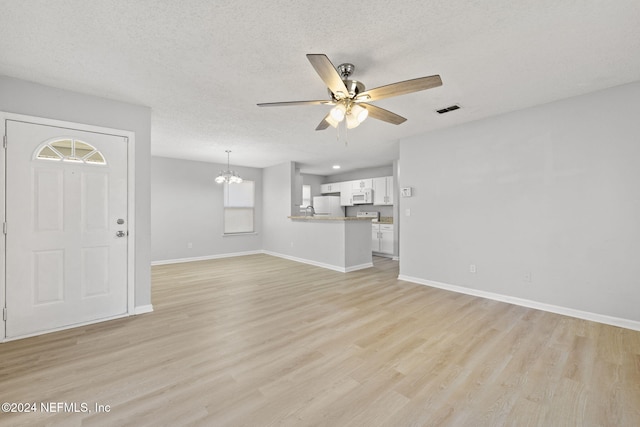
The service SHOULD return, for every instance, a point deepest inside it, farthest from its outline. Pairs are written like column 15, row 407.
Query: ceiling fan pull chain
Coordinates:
column 346, row 139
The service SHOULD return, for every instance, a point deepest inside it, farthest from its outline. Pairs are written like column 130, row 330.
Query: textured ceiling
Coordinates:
column 202, row 66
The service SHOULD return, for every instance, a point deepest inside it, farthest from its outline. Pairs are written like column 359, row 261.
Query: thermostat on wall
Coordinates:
column 405, row 192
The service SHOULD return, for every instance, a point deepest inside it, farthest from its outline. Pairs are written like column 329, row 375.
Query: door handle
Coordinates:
column 120, row 233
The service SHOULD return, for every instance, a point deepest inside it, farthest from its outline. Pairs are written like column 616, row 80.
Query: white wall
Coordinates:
column 277, row 183
column 187, row 207
column 551, row 191
column 361, row 174
column 315, row 181
column 22, row 97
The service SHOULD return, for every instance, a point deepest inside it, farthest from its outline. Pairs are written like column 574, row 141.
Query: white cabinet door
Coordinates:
column 382, row 238
column 386, row 239
column 375, row 238
column 330, row 188
column 361, row 184
column 379, row 190
column 383, row 190
column 346, row 194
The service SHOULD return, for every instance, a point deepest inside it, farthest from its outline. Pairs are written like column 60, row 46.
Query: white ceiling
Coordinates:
column 203, row 65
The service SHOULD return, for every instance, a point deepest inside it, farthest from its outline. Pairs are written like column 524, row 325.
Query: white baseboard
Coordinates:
column 205, row 258
column 142, row 309
column 321, row 264
column 358, row 267
column 585, row 315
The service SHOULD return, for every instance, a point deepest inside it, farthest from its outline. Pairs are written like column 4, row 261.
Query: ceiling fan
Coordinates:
column 351, row 99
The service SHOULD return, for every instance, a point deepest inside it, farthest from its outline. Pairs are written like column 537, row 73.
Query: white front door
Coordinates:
column 66, row 235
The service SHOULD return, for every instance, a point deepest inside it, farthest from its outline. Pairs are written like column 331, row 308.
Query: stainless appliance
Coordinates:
column 374, row 215
column 328, row 206
column 362, row 197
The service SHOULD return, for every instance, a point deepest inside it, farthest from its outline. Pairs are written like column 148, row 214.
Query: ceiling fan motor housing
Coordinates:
column 354, row 87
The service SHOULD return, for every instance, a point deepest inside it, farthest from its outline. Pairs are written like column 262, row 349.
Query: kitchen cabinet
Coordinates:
column 330, row 188
column 360, row 184
column 382, row 238
column 346, row 192
column 383, row 190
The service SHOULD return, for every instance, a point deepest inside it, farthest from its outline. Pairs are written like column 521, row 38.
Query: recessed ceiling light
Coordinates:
column 336, row 166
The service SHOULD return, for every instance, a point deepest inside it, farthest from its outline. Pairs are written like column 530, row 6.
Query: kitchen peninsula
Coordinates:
column 338, row 243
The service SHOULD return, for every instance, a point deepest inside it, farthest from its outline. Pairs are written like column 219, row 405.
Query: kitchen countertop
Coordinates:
column 385, row 220
column 328, row 218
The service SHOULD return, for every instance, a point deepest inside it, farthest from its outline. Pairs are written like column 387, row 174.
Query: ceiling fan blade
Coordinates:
column 323, row 124
column 328, row 74
column 382, row 114
column 400, row 88
column 286, row 104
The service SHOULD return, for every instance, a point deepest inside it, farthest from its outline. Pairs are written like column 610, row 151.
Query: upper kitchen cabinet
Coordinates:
column 361, row 184
column 330, row 188
column 383, row 190
column 346, row 193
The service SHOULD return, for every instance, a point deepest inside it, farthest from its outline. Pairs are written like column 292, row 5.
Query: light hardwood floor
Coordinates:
column 258, row 340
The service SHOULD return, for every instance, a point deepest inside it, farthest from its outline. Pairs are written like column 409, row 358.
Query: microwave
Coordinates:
column 362, row 197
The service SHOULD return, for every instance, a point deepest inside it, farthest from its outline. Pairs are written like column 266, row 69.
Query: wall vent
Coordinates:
column 447, row 109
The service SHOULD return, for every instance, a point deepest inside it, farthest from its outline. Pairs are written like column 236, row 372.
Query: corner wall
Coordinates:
column 187, row 206
column 278, row 205
column 545, row 202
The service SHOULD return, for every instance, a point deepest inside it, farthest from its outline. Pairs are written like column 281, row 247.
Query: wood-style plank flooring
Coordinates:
column 258, row 340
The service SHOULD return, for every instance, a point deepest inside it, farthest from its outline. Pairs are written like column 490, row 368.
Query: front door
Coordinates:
column 66, row 227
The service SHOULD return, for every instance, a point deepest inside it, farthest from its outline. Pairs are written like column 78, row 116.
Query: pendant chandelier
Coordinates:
column 228, row 175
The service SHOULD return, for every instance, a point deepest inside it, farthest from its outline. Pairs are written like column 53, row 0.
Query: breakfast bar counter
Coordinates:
column 338, row 243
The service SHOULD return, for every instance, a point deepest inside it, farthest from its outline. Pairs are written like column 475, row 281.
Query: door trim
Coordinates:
column 130, row 136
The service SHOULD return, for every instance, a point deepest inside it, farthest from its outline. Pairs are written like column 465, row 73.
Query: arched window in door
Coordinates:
column 70, row 150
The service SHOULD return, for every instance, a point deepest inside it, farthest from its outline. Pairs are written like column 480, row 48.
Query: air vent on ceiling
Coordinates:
column 447, row 109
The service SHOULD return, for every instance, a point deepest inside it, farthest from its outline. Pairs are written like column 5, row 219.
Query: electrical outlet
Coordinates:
column 189, row 245
column 407, row 212
column 527, row 277
column 472, row 268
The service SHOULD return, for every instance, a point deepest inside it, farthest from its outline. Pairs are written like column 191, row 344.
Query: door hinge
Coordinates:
column 4, row 314
column 4, row 227
column 4, row 141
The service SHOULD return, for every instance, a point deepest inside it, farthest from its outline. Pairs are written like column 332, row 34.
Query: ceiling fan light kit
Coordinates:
column 349, row 96
column 337, row 113
column 354, row 113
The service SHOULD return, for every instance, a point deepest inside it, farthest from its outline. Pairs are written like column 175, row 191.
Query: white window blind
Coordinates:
column 239, row 207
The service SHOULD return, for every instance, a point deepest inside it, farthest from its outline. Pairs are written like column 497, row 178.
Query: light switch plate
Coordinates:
column 406, row 191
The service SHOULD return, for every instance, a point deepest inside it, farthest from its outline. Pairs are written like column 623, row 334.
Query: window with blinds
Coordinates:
column 239, row 207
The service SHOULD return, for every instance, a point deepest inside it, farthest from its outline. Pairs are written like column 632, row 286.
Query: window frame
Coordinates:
column 241, row 203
